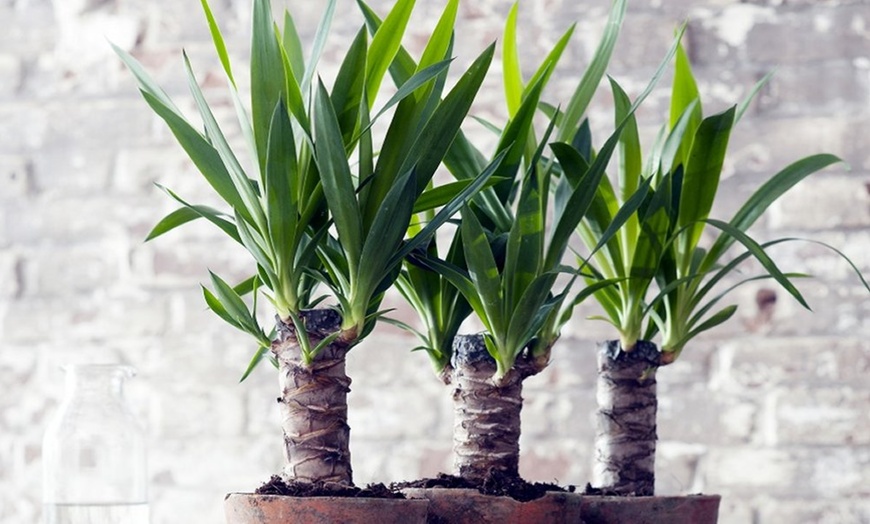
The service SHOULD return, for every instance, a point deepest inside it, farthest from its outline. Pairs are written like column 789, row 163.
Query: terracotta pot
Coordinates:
column 468, row 506
column 245, row 508
column 690, row 509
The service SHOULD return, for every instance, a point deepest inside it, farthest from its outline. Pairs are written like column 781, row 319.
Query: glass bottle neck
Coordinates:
column 96, row 380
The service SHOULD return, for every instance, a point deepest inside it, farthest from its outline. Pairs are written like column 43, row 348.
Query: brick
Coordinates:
column 676, row 466
column 841, row 411
column 735, row 510
column 398, row 415
column 822, row 512
column 10, row 73
column 795, row 362
column 795, row 90
column 823, row 201
column 698, row 414
column 748, row 470
column 738, row 33
column 61, row 272
column 15, row 174
column 561, row 461
column 10, row 285
column 563, row 414
column 787, row 471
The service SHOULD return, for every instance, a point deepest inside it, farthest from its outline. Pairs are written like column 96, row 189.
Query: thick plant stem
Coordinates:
column 625, row 441
column 314, row 402
column 486, row 430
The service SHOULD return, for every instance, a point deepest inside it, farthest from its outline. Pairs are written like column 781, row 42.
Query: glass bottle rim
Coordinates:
column 126, row 370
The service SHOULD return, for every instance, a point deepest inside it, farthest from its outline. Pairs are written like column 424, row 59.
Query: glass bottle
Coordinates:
column 94, row 452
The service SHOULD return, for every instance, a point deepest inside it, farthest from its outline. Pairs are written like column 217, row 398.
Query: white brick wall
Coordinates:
column 771, row 414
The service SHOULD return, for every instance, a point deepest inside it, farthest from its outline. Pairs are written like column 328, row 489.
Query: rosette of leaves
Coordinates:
column 499, row 263
column 319, row 209
column 673, row 193
column 503, row 262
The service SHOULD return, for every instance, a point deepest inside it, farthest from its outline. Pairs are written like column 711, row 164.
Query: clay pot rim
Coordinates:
column 361, row 500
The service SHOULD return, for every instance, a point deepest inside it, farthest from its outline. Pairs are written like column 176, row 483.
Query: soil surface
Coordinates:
column 603, row 492
column 277, row 486
column 496, row 483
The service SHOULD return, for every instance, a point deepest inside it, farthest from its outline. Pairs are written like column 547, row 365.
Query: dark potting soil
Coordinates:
column 277, row 486
column 602, row 492
column 496, row 483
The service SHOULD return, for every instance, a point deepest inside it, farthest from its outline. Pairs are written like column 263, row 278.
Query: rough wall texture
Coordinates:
column 771, row 411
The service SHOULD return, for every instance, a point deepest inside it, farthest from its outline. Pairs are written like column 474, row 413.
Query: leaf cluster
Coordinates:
column 670, row 196
column 320, row 205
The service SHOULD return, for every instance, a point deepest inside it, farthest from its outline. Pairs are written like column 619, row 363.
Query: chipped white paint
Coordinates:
column 737, row 20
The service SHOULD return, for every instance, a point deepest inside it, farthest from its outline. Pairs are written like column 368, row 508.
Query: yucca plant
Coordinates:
column 673, row 194
column 503, row 262
column 311, row 218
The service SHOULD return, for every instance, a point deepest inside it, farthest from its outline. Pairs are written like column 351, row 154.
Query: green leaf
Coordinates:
column 319, row 44
column 438, row 134
column 218, row 40
column 385, row 237
column 438, row 196
column 267, row 76
column 630, row 163
column 483, row 270
column 529, row 314
column 218, row 308
column 671, row 146
column 767, row 194
column 513, row 77
column 744, row 105
column 525, row 249
column 234, row 306
column 460, row 280
column 449, row 210
column 545, row 70
column 414, row 83
column 758, row 252
column 293, row 47
column 440, row 43
column 250, row 208
column 701, row 179
column 594, row 73
column 191, row 212
column 295, row 102
column 719, row 318
column 281, row 200
column 683, row 93
column 258, row 356
column 385, row 45
column 201, row 153
column 336, row 178
column 347, row 93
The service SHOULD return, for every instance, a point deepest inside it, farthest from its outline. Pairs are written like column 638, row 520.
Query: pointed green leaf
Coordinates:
column 385, row 45
column 319, row 44
column 218, row 40
column 683, row 93
column 701, row 178
column 767, row 194
column 594, row 73
column 513, row 77
column 267, row 75
column 482, row 269
column 336, row 178
column 281, row 199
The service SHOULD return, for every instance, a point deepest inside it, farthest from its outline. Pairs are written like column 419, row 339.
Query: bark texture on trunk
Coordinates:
column 314, row 403
column 625, row 441
column 486, row 427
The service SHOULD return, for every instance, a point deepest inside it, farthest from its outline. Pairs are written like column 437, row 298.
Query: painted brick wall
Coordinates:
column 771, row 411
